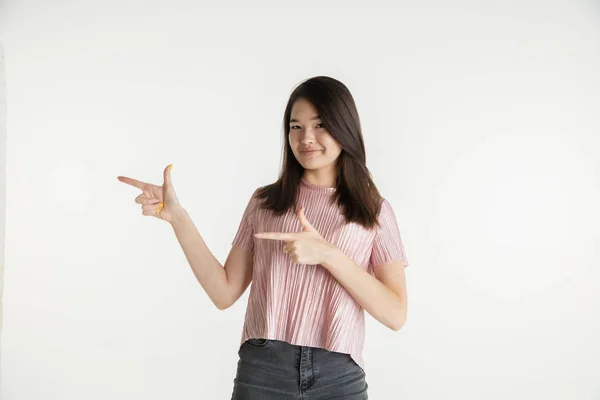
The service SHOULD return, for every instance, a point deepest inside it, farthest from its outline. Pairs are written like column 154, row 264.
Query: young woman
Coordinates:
column 320, row 246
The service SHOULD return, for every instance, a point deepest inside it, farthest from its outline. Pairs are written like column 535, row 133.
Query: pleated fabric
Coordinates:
column 303, row 304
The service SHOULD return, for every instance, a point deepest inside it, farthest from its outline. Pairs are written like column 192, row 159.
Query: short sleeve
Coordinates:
column 387, row 244
column 244, row 237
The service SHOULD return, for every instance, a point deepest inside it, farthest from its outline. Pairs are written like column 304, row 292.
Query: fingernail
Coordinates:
column 170, row 166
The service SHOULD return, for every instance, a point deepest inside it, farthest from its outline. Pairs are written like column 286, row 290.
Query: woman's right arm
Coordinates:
column 223, row 284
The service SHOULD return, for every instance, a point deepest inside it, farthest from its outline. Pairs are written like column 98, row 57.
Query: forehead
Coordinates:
column 303, row 109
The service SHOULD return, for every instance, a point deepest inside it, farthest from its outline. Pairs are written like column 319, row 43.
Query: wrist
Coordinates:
column 331, row 256
column 179, row 215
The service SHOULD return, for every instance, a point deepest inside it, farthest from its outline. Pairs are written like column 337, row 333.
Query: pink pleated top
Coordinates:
column 302, row 304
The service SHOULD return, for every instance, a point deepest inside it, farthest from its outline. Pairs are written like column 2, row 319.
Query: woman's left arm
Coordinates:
column 383, row 295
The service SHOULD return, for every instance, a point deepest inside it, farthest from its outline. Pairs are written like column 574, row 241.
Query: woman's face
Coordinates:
column 312, row 145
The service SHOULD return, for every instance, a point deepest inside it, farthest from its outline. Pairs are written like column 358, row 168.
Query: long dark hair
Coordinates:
column 355, row 192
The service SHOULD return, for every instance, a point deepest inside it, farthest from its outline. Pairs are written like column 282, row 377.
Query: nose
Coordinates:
column 307, row 136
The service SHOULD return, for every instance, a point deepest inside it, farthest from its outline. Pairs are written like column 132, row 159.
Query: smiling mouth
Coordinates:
column 309, row 151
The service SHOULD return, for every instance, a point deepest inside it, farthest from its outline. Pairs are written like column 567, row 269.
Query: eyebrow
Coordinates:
column 313, row 118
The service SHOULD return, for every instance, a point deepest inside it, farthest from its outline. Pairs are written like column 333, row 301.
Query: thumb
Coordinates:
column 306, row 226
column 167, row 175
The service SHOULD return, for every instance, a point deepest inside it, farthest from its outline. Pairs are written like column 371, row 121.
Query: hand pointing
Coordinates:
column 156, row 201
column 306, row 247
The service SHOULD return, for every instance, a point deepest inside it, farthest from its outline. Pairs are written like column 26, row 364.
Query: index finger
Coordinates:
column 132, row 182
column 276, row 235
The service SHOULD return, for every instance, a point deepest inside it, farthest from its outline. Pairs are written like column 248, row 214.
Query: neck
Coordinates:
column 319, row 178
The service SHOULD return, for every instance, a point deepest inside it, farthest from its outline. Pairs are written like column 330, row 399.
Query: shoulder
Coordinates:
column 385, row 205
column 386, row 213
column 263, row 190
column 266, row 192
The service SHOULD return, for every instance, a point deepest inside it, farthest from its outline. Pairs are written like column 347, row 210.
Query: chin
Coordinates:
column 313, row 166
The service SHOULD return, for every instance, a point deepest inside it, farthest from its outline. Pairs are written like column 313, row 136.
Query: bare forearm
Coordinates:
column 376, row 298
column 208, row 271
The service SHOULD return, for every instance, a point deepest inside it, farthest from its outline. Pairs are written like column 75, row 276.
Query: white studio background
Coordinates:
column 2, row 177
column 482, row 126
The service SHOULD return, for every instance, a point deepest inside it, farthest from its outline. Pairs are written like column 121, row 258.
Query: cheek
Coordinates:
column 333, row 147
column 292, row 143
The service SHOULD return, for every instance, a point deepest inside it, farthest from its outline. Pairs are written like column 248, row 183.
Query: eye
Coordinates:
column 294, row 127
column 320, row 125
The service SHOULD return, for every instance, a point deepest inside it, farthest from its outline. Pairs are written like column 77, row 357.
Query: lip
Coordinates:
column 309, row 152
